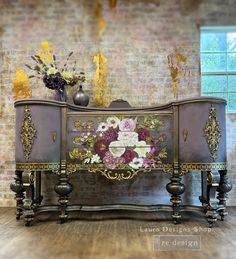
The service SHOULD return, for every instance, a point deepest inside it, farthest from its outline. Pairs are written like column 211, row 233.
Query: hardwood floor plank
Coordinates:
column 114, row 235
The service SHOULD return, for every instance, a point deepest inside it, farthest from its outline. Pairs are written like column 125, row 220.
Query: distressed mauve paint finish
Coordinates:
column 183, row 154
column 193, row 116
column 47, row 121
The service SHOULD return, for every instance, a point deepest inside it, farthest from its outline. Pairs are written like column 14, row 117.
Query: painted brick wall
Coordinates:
column 139, row 36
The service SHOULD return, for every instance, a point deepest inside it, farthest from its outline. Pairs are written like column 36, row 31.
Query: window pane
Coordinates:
column 231, row 62
column 231, row 41
column 231, row 107
column 213, row 62
column 214, row 83
column 213, row 41
column 231, row 83
column 218, row 64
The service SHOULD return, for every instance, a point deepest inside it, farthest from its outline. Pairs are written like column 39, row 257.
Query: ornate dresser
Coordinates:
column 121, row 144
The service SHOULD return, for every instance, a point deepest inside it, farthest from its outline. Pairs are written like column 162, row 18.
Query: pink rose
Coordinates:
column 127, row 125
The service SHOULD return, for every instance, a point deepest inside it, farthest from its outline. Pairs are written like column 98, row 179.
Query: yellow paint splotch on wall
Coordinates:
column 21, row 87
column 101, row 95
column 112, row 4
column 175, row 62
column 101, row 23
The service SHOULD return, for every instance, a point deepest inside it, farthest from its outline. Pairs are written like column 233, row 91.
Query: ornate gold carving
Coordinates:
column 38, row 166
column 28, row 133
column 119, row 176
column 122, row 174
column 212, row 132
column 186, row 167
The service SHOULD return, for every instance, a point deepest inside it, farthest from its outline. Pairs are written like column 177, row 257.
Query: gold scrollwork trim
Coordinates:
column 212, row 132
column 186, row 167
column 122, row 174
column 28, row 133
column 37, row 166
column 119, row 176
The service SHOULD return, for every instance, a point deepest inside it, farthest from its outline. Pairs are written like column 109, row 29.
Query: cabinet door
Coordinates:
column 202, row 132
column 38, row 133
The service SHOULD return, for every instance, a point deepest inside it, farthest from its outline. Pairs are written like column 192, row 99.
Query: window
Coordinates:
column 218, row 63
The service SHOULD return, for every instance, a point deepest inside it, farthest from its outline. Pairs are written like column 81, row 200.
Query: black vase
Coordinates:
column 81, row 98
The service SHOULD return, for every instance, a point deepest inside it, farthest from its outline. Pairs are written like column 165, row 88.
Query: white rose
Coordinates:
column 117, row 148
column 129, row 139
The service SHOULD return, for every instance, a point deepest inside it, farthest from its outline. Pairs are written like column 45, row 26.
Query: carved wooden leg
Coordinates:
column 28, row 183
column 63, row 189
column 18, row 188
column 38, row 196
column 203, row 197
column 223, row 189
column 175, row 188
column 213, row 179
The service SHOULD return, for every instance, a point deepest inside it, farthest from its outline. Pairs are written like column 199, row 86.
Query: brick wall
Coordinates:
column 139, row 36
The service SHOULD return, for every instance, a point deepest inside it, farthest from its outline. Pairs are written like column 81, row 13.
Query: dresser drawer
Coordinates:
column 121, row 140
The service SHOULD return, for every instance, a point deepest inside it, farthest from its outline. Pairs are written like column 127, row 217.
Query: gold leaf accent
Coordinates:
column 101, row 23
column 212, row 132
column 112, row 4
column 99, row 80
column 28, row 133
column 175, row 61
column 122, row 174
column 21, row 86
column 37, row 166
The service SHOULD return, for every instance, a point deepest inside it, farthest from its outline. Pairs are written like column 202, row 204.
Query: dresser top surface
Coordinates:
column 36, row 101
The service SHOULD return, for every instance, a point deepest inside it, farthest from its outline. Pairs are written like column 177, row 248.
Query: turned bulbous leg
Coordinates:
column 28, row 179
column 175, row 188
column 224, row 187
column 213, row 179
column 63, row 189
column 18, row 188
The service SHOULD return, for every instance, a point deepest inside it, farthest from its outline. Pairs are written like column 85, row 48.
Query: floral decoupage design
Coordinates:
column 119, row 142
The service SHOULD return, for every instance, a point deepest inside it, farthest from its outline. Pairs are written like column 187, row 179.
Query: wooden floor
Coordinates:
column 102, row 235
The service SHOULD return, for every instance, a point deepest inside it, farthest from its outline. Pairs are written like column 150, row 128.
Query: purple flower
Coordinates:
column 112, row 162
column 148, row 162
column 101, row 147
column 110, row 135
column 143, row 134
column 129, row 155
column 55, row 82
column 154, row 150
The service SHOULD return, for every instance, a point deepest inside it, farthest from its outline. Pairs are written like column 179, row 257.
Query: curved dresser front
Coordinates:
column 120, row 144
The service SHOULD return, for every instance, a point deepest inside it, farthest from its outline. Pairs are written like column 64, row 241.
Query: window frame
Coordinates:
column 218, row 29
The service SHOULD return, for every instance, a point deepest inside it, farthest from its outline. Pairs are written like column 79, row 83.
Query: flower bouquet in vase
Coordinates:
column 55, row 78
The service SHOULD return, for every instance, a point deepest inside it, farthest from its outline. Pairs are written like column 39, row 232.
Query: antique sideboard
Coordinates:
column 120, row 144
